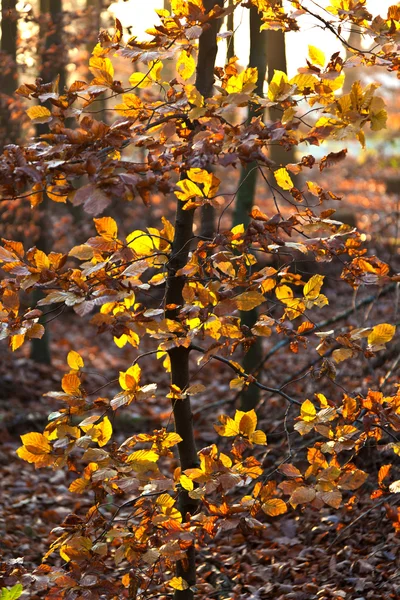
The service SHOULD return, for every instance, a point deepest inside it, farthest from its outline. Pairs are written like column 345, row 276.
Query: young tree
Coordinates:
column 151, row 508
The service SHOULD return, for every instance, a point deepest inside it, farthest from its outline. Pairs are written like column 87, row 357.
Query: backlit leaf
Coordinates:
column 283, row 179
column 75, row 360
column 274, row 507
column 317, row 57
column 186, row 65
column 178, row 583
column 39, row 114
column 249, row 300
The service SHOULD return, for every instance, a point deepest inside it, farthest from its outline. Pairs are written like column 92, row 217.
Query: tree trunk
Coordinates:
column 245, row 200
column 179, row 356
column 9, row 76
column 230, row 25
column 180, row 376
column 204, row 83
column 276, row 61
column 52, row 66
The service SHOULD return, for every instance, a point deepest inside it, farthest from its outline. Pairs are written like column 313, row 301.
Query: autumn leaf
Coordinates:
column 249, row 300
column 317, row 57
column 380, row 335
column 274, row 507
column 39, row 114
column 75, row 361
column 283, row 179
column 186, row 65
column 178, row 583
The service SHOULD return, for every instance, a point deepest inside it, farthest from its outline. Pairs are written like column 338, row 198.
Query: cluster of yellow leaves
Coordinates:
column 190, row 192
column 244, row 424
column 294, row 307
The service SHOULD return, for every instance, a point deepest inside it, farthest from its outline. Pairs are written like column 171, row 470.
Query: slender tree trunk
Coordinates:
column 179, row 356
column 245, row 199
column 204, row 83
column 94, row 10
column 230, row 25
column 9, row 76
column 52, row 66
column 276, row 61
column 180, row 376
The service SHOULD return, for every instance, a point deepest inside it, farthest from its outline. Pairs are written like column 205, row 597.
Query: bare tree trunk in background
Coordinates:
column 204, row 83
column 276, row 61
column 52, row 66
column 245, row 199
column 352, row 75
column 230, row 25
column 8, row 78
column 179, row 356
column 94, row 9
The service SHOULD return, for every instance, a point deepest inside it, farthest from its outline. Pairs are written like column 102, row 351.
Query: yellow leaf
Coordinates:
column 317, row 57
column 70, row 383
column 284, row 293
column 279, row 88
column 247, row 421
column 381, row 334
column 143, row 456
column 102, row 69
column 178, row 583
column 313, row 287
column 142, row 243
column 39, row 114
column 79, row 485
column 189, row 190
column 258, row 437
column 283, row 179
column 140, row 80
column 274, row 507
column 104, row 431
column 75, row 360
column 186, row 483
column 308, row 411
column 229, row 427
column 130, row 106
column 304, row 82
column 129, row 380
column 16, row 341
column 342, row 354
column 249, row 300
column 185, row 65
column 210, row 182
column 36, row 443
column 107, row 228
column 193, row 95
column 245, row 82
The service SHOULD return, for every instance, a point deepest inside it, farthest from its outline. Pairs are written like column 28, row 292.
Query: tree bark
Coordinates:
column 204, row 83
column 52, row 66
column 276, row 61
column 245, row 200
column 179, row 356
column 9, row 76
column 230, row 25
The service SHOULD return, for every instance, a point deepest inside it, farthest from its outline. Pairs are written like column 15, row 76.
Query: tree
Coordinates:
column 9, row 30
column 246, row 194
column 52, row 74
column 152, row 508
